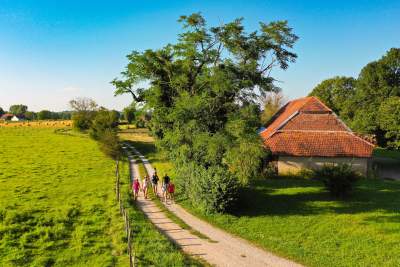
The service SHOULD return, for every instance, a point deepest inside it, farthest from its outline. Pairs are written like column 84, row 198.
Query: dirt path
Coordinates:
column 223, row 250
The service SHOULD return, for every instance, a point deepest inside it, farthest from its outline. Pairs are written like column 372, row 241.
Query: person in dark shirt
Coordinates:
column 154, row 183
column 165, row 184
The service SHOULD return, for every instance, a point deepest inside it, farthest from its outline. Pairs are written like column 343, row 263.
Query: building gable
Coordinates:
column 307, row 127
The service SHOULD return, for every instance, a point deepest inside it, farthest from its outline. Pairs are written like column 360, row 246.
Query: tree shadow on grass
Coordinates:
column 306, row 197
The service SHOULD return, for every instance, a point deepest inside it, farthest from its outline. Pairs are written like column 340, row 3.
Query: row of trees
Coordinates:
column 204, row 93
column 371, row 103
column 23, row 112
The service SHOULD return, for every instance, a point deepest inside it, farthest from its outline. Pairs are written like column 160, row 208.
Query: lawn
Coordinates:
column 297, row 218
column 58, row 205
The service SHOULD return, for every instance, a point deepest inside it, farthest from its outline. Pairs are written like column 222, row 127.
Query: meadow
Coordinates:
column 297, row 218
column 58, row 206
column 57, row 201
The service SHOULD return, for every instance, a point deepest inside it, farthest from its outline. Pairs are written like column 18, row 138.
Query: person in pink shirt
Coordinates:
column 135, row 188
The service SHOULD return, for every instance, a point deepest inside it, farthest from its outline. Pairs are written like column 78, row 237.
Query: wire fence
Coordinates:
column 125, row 215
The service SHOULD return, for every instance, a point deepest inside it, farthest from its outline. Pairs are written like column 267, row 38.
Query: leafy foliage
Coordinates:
column 130, row 113
column 338, row 179
column 104, row 120
column 211, row 190
column 362, row 103
column 204, row 92
column 1, row 112
column 335, row 92
column 84, row 113
column 82, row 120
column 389, row 121
column 110, row 145
column 18, row 110
column 272, row 102
column 44, row 115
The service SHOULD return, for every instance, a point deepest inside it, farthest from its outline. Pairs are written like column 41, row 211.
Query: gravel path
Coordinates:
column 223, row 250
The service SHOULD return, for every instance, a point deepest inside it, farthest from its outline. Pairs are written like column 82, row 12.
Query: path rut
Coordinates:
column 224, row 249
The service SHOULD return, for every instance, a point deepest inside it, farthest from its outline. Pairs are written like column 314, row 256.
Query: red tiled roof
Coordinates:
column 307, row 127
column 318, row 144
column 315, row 122
column 290, row 109
column 6, row 115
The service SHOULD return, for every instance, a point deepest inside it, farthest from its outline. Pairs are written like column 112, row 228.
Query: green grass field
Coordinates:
column 58, row 205
column 57, row 201
column 297, row 218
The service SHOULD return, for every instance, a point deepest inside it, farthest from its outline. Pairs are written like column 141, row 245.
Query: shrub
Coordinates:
column 210, row 190
column 109, row 144
column 104, row 120
column 82, row 120
column 140, row 123
column 338, row 179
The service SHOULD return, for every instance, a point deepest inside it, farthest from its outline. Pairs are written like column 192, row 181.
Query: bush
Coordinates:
column 82, row 120
column 338, row 179
column 109, row 144
column 103, row 120
column 140, row 123
column 210, row 190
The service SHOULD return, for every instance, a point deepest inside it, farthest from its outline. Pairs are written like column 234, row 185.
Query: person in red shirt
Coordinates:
column 171, row 191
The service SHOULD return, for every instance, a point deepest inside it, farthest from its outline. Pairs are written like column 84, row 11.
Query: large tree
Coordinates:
column 365, row 104
column 84, row 110
column 389, row 121
column 203, row 92
column 377, row 81
column 18, row 110
column 1, row 112
column 336, row 92
column 272, row 102
column 130, row 112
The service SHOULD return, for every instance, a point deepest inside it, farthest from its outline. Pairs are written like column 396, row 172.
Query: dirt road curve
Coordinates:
column 223, row 250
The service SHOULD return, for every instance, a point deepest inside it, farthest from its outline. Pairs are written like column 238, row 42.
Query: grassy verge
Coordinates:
column 151, row 247
column 297, row 218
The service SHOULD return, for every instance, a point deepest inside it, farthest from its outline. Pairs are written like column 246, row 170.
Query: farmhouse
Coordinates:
column 7, row 116
column 306, row 134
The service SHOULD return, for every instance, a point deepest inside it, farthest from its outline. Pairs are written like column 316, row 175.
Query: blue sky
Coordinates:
column 52, row 51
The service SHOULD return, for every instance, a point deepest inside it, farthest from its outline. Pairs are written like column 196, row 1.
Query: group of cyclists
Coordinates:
column 167, row 187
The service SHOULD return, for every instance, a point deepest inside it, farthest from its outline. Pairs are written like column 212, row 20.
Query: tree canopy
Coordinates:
column 335, row 92
column 366, row 103
column 272, row 102
column 18, row 110
column 203, row 92
column 130, row 112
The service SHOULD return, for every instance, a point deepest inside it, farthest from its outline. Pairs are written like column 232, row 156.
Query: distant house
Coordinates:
column 7, row 116
column 16, row 118
column 306, row 134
